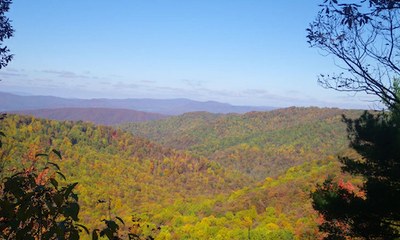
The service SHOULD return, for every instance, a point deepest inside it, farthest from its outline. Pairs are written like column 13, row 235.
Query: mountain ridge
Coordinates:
column 13, row 102
column 100, row 116
column 286, row 137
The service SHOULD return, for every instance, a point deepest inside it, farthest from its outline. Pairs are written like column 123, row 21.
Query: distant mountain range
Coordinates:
column 12, row 102
column 102, row 116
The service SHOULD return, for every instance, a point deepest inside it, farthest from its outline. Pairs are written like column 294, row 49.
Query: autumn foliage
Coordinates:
column 201, row 192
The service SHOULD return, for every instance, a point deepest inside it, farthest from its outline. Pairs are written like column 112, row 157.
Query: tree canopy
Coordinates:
column 6, row 31
column 371, row 210
column 365, row 37
column 34, row 206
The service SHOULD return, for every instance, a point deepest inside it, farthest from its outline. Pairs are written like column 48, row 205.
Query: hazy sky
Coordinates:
column 244, row 52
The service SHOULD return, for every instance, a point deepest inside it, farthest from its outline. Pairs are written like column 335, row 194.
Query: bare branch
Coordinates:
column 365, row 37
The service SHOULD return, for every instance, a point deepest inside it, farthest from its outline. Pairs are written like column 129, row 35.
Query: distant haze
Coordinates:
column 11, row 103
column 101, row 116
column 236, row 52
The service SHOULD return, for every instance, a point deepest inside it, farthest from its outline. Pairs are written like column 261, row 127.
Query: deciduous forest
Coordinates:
column 201, row 190
column 288, row 173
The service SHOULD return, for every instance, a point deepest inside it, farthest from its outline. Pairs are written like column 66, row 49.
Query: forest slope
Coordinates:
column 258, row 144
column 187, row 194
column 110, row 164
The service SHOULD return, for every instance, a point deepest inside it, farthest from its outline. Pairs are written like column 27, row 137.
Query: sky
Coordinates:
column 242, row 52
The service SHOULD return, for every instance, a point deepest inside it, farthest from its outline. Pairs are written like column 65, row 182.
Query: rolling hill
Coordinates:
column 257, row 144
column 109, row 163
column 200, row 176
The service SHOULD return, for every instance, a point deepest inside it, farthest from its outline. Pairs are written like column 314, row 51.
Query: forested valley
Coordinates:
column 193, row 176
column 184, row 169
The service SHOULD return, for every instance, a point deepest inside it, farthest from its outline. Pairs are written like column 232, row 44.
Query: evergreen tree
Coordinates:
column 373, row 212
column 364, row 36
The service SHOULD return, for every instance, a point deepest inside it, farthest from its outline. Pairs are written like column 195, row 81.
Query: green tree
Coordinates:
column 373, row 212
column 34, row 206
column 6, row 31
column 365, row 37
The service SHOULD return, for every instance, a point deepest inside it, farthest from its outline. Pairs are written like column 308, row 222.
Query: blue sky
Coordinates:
column 243, row 52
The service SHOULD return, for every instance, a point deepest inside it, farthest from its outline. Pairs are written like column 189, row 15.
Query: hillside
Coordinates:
column 258, row 144
column 108, row 163
column 101, row 116
column 11, row 102
column 256, row 181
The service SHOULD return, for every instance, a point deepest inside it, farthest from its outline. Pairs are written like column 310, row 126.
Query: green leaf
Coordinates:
column 41, row 155
column 83, row 227
column 95, row 236
column 72, row 210
column 108, row 232
column 62, row 175
column 58, row 199
column 2, row 134
column 120, row 219
column 54, row 164
column 54, row 182
column 74, row 235
column 58, row 153
column 69, row 189
column 112, row 225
